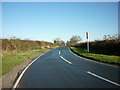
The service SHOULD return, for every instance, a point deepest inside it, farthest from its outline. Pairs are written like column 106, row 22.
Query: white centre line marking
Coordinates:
column 59, row 52
column 66, row 60
column 103, row 78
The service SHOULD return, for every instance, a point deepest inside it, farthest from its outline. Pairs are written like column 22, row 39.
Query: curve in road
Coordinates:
column 60, row 68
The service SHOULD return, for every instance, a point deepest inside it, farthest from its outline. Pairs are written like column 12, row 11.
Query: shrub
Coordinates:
column 110, row 47
column 17, row 45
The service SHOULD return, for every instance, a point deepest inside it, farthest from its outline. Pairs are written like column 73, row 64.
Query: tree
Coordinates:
column 68, row 43
column 105, row 37
column 56, row 41
column 114, row 37
column 75, row 39
column 59, row 42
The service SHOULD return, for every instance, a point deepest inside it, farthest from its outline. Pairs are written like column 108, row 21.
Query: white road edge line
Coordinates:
column 92, row 60
column 66, row 60
column 103, row 78
column 19, row 78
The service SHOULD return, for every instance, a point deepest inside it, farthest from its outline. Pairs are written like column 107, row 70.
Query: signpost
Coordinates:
column 87, row 36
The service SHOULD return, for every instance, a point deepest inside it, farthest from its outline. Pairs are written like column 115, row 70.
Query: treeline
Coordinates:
column 18, row 45
column 109, row 46
column 74, row 40
column 59, row 42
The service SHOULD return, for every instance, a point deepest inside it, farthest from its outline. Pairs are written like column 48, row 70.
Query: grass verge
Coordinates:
column 111, row 59
column 9, row 61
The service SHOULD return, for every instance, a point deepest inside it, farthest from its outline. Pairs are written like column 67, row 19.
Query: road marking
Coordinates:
column 59, row 52
column 19, row 78
column 66, row 60
column 103, row 78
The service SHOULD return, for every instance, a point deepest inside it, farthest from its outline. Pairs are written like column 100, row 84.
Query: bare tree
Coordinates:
column 59, row 42
column 75, row 39
column 105, row 37
column 56, row 41
column 114, row 37
column 68, row 43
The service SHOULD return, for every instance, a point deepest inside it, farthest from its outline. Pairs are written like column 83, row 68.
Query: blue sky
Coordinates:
column 49, row 20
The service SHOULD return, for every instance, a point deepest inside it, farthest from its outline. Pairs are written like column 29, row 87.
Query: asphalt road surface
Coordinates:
column 60, row 68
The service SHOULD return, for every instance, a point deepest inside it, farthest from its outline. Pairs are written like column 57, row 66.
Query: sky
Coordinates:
column 45, row 21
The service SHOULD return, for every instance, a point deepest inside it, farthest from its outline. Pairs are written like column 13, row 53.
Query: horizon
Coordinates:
column 45, row 21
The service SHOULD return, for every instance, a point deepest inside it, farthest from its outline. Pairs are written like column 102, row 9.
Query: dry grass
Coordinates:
column 17, row 45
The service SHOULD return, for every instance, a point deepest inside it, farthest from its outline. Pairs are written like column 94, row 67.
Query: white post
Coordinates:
column 87, row 35
column 87, row 45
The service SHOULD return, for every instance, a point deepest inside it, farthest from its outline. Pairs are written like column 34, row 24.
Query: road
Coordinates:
column 60, row 68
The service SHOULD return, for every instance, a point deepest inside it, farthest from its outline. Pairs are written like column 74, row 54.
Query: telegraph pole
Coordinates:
column 87, row 36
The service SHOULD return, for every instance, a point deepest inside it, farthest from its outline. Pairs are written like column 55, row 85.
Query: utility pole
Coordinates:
column 87, row 36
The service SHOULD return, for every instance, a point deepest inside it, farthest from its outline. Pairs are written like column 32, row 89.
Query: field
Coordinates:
column 112, row 59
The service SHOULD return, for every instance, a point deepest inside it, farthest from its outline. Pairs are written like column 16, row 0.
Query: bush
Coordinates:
column 110, row 47
column 17, row 45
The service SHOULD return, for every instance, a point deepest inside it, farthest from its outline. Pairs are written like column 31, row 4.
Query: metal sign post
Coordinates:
column 87, row 35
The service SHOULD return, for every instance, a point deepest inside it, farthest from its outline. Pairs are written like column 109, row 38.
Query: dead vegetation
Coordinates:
column 17, row 45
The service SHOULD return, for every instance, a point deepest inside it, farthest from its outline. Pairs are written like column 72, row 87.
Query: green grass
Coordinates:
column 100, row 57
column 9, row 61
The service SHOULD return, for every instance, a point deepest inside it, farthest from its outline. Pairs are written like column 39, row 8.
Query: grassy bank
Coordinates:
column 107, row 47
column 99, row 57
column 9, row 61
column 15, row 45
